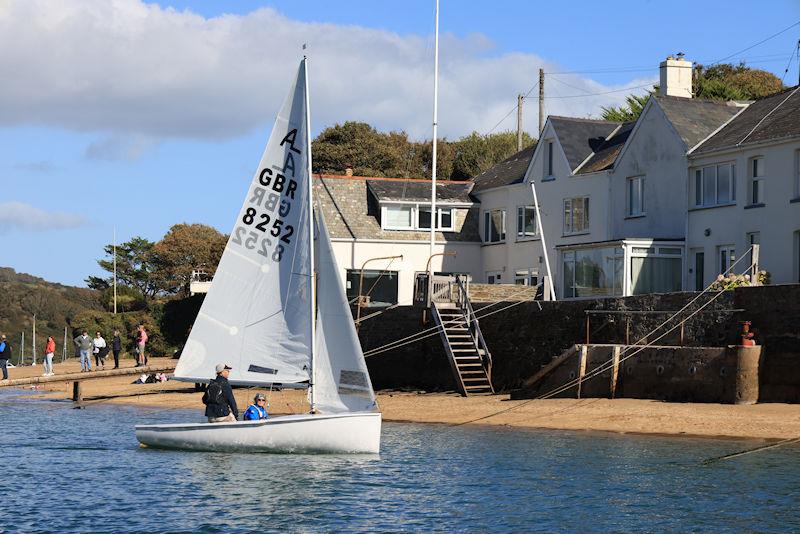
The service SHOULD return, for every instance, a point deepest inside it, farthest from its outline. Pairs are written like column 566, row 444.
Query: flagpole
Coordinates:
column 115, row 270
column 435, row 128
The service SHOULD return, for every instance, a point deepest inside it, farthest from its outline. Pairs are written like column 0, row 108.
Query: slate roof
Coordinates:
column 420, row 190
column 607, row 153
column 509, row 171
column 351, row 211
column 770, row 118
column 580, row 137
column 695, row 119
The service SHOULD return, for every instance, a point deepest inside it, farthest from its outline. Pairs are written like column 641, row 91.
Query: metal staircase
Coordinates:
column 461, row 336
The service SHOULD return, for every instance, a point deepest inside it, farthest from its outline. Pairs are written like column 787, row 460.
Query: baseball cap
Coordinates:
column 221, row 367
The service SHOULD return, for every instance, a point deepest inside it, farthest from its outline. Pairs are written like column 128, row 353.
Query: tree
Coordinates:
column 734, row 82
column 183, row 249
column 362, row 147
column 135, row 267
column 630, row 111
column 475, row 153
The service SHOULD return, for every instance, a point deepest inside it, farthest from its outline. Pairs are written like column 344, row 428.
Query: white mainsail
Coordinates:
column 342, row 382
column 256, row 316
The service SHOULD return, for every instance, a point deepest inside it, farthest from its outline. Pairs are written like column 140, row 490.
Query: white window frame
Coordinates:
column 385, row 217
column 487, row 217
column 702, row 174
column 640, row 180
column 521, row 218
column 569, row 216
column 416, row 209
column 755, row 182
column 439, row 212
column 729, row 258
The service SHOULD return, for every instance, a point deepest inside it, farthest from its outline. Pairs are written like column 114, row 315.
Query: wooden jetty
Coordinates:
column 77, row 379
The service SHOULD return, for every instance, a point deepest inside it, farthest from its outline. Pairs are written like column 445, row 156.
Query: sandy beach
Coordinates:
column 763, row 421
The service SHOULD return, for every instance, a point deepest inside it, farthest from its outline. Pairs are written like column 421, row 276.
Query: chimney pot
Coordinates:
column 348, row 171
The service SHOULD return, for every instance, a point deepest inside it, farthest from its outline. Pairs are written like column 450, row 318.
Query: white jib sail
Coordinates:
column 342, row 380
column 256, row 314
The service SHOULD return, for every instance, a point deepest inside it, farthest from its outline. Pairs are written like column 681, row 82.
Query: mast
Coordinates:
column 115, row 270
column 435, row 127
column 312, row 300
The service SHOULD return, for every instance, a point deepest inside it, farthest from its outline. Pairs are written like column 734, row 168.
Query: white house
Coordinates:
column 744, row 188
column 612, row 197
column 370, row 218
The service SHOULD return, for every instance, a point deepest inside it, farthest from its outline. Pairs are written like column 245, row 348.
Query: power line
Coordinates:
column 512, row 110
column 601, row 93
column 786, row 29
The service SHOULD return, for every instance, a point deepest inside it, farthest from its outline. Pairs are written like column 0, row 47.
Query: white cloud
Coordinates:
column 18, row 216
column 135, row 69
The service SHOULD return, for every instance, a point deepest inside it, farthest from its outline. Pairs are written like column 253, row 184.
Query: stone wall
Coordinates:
column 500, row 292
column 524, row 336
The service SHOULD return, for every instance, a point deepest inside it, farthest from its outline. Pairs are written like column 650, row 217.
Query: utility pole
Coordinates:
column 519, row 122
column 541, row 101
column 798, row 62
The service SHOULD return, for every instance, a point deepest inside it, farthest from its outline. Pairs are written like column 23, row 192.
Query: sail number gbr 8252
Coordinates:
column 264, row 220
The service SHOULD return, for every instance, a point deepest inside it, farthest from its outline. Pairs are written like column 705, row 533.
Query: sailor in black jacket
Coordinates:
column 219, row 400
column 5, row 355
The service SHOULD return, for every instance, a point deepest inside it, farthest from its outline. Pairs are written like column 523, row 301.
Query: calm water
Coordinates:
column 82, row 470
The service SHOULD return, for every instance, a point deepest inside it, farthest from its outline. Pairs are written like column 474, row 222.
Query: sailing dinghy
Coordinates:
column 277, row 312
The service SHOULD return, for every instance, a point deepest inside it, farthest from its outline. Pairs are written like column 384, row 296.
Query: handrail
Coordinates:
column 473, row 325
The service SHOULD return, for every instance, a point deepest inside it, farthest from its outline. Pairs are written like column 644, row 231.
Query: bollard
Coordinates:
column 745, row 362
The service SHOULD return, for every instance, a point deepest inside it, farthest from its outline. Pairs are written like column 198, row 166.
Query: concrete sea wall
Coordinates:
column 525, row 336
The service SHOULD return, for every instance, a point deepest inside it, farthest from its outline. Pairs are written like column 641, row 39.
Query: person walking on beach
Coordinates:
column 5, row 355
column 100, row 350
column 141, row 341
column 257, row 410
column 116, row 348
column 49, row 350
column 218, row 398
column 84, row 344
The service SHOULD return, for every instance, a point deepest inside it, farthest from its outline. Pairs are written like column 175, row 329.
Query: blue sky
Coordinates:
column 142, row 115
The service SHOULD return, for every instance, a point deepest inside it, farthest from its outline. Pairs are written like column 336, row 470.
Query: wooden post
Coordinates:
column 541, row 102
column 587, row 327
column 77, row 392
column 615, row 370
column 582, row 367
column 682, row 332
column 754, row 253
column 628, row 330
column 519, row 122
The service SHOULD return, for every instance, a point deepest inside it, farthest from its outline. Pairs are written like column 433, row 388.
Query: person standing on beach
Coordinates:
column 99, row 349
column 84, row 344
column 116, row 348
column 141, row 341
column 5, row 355
column 49, row 350
column 218, row 398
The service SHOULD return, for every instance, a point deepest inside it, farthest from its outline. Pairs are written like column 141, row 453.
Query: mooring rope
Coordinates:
column 781, row 443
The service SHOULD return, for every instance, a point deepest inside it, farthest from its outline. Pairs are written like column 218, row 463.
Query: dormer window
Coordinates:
column 415, row 217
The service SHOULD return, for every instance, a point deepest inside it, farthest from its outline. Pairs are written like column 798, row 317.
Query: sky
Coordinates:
column 132, row 116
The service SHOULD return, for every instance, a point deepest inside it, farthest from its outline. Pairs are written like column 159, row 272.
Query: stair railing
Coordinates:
column 462, row 301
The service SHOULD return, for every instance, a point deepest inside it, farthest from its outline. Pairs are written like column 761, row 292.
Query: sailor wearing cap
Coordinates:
column 218, row 398
column 257, row 410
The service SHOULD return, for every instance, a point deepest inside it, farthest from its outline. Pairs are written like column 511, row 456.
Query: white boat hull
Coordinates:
column 358, row 432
